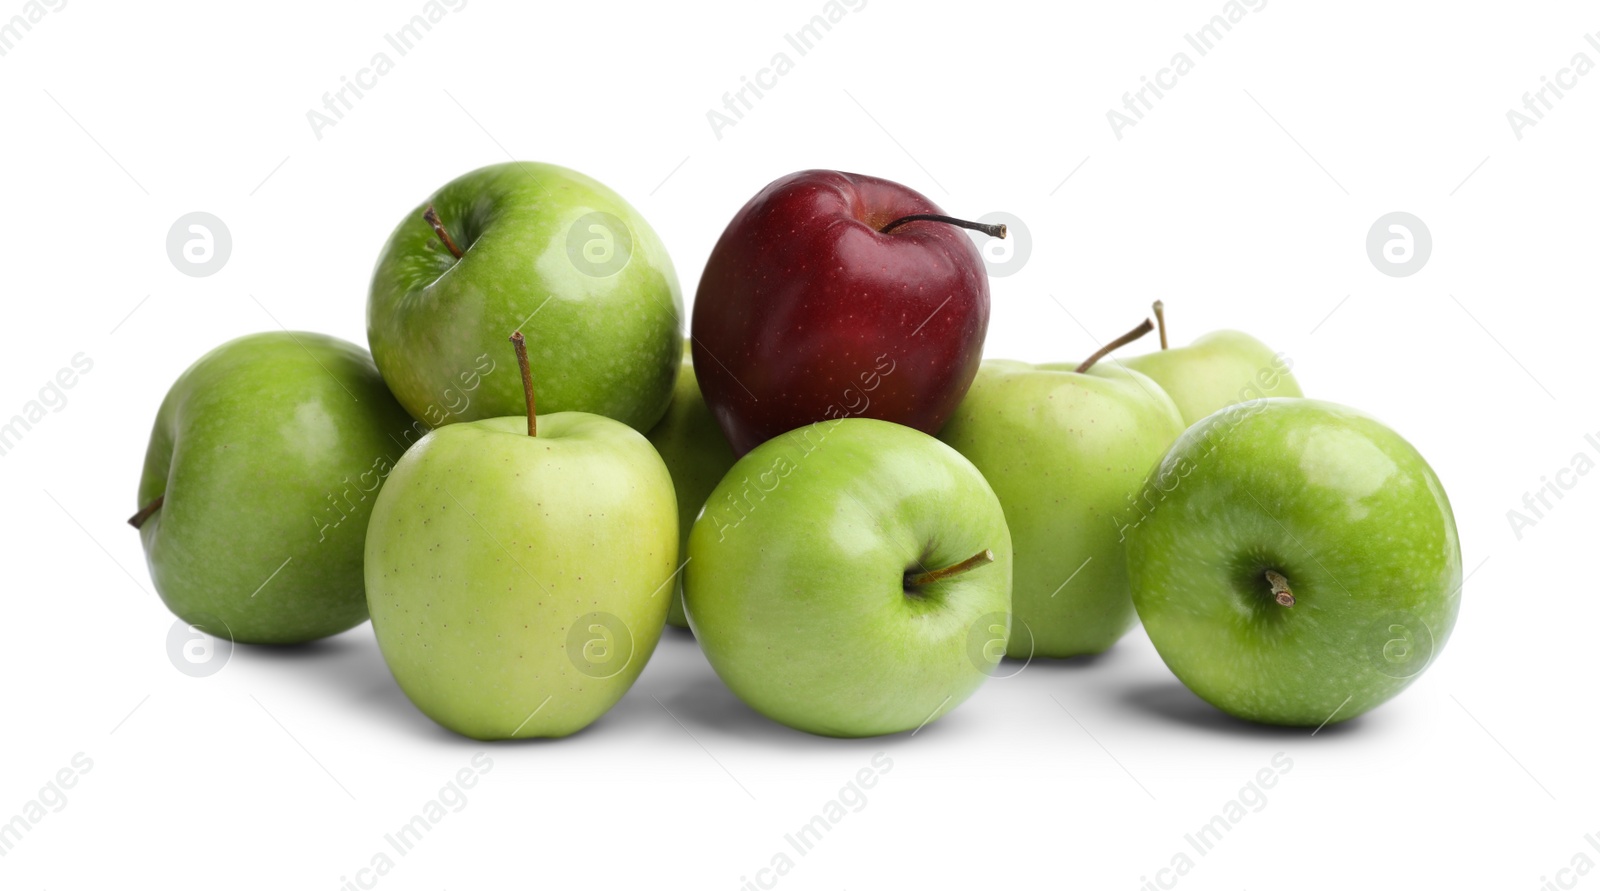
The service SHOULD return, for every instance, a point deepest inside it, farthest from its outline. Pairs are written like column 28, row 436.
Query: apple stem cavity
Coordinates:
column 432, row 216
column 982, row 558
column 1160, row 310
column 1144, row 328
column 147, row 511
column 993, row 230
column 521, row 346
column 1280, row 588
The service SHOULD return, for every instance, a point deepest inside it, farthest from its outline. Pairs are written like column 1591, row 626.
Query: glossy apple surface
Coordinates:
column 1219, row 369
column 1064, row 452
column 800, row 584
column 1350, row 518
column 806, row 311
column 267, row 454
column 518, row 584
column 545, row 249
column 697, row 455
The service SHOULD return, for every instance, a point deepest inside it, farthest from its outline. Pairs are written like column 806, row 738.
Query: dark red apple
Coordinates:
column 834, row 295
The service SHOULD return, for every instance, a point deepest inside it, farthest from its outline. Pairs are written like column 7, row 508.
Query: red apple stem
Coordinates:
column 982, row 558
column 1145, row 327
column 1160, row 310
column 146, row 512
column 1280, row 588
column 993, row 230
column 521, row 346
column 432, row 216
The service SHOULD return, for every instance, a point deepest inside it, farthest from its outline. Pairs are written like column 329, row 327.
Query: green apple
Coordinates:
column 536, row 248
column 851, row 578
column 1219, row 369
column 1295, row 562
column 697, row 455
column 518, row 576
column 262, row 467
column 1064, row 450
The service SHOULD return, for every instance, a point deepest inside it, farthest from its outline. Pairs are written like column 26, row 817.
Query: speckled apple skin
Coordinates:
column 806, row 311
column 1340, row 505
column 269, row 451
column 1219, row 369
column 796, row 584
column 487, row 548
column 601, row 343
column 1064, row 452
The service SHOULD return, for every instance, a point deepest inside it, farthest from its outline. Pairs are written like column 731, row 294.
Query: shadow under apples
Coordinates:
column 707, row 704
column 1171, row 701
column 687, row 687
column 1010, row 667
column 350, row 668
column 690, row 691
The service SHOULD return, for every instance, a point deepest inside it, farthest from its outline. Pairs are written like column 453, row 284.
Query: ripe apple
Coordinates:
column 851, row 578
column 1295, row 561
column 820, row 282
column 1064, row 449
column 1217, row 370
column 697, row 456
column 261, row 470
column 515, row 569
column 530, row 247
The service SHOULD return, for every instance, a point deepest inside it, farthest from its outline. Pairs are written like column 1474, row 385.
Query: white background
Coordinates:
column 1243, row 199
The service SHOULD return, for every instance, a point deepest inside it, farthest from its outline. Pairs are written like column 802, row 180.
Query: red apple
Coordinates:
column 834, row 295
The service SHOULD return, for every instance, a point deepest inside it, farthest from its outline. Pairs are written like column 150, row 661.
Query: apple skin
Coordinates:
column 796, row 586
column 489, row 554
column 1341, row 506
column 606, row 344
column 268, row 452
column 1219, row 369
column 698, row 457
column 806, row 312
column 1064, row 452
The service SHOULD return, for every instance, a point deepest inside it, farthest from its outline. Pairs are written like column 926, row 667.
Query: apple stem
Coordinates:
column 1145, row 327
column 432, row 216
column 1160, row 310
column 1280, row 588
column 145, row 512
column 993, row 230
column 521, row 346
column 982, row 558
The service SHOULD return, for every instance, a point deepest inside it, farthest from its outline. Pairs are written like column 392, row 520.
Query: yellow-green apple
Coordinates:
column 1217, row 370
column 851, row 578
column 518, row 570
column 1065, row 446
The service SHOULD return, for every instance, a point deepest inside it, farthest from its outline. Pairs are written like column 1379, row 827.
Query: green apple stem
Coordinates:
column 521, row 346
column 993, row 230
column 432, row 216
column 1160, row 310
column 1145, row 327
column 1280, row 588
column 146, row 512
column 982, row 558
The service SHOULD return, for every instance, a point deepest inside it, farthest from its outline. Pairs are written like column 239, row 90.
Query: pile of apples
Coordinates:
column 533, row 473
